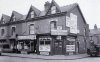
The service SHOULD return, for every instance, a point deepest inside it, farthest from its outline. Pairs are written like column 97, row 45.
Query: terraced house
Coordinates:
column 56, row 30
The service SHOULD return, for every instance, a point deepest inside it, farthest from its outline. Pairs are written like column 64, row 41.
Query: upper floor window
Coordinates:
column 32, row 14
column 2, row 32
column 31, row 29
column 13, row 31
column 14, row 18
column 53, row 10
column 3, row 21
column 53, row 25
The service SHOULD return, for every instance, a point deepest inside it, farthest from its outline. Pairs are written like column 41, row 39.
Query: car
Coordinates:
column 94, row 50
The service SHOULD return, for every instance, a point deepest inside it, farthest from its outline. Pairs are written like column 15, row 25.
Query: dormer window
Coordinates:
column 3, row 21
column 14, row 18
column 53, row 10
column 32, row 14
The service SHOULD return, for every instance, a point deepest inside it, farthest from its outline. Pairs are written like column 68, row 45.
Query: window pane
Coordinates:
column 41, row 42
column 53, row 10
column 2, row 32
column 13, row 30
column 47, row 42
column 53, row 25
column 32, row 14
column 31, row 29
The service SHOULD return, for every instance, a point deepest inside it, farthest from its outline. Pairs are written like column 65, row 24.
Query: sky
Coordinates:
column 89, row 8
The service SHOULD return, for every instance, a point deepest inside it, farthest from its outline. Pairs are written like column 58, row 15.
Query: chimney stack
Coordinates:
column 47, row 5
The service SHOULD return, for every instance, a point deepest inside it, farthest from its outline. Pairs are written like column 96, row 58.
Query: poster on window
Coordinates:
column 44, row 48
column 70, row 48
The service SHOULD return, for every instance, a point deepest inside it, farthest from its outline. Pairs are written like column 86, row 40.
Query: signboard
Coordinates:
column 44, row 53
column 27, row 37
column 70, row 48
column 72, row 23
column 59, row 32
column 71, row 39
column 44, row 48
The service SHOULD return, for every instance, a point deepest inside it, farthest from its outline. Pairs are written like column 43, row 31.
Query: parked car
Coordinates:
column 94, row 50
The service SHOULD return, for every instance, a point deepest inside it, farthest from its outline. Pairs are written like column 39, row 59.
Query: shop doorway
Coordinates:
column 58, row 47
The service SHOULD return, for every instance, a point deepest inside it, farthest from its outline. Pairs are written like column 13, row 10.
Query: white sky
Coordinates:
column 89, row 8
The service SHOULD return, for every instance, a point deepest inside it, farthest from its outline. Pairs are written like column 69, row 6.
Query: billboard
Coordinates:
column 72, row 23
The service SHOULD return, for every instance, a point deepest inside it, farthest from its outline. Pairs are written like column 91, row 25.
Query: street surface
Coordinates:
column 22, row 59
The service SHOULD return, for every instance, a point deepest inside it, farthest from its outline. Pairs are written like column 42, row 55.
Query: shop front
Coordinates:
column 71, row 45
column 45, row 45
column 27, row 44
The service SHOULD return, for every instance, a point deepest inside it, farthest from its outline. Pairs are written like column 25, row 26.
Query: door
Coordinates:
column 58, row 47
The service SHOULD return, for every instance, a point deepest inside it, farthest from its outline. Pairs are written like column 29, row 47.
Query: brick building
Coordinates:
column 56, row 30
column 95, row 34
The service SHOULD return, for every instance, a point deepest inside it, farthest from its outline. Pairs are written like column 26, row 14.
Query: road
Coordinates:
column 20, row 59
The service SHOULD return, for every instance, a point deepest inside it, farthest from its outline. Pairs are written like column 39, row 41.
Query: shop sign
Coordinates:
column 59, row 32
column 44, row 48
column 71, row 39
column 27, row 37
column 70, row 48
column 44, row 53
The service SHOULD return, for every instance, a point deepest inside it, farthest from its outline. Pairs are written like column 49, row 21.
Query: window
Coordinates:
column 32, row 14
column 31, row 29
column 14, row 18
column 53, row 10
column 2, row 32
column 3, row 20
column 53, row 25
column 13, row 30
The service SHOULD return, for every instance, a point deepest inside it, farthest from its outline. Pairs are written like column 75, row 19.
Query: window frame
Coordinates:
column 32, row 14
column 30, row 29
column 2, row 33
column 12, row 31
column 53, row 10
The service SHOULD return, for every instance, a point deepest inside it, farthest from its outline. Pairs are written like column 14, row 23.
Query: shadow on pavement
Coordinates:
column 45, row 58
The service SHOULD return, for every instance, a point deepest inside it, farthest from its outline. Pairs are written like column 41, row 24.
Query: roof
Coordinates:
column 62, row 9
column 6, row 18
column 68, row 7
column 37, row 11
column 94, row 31
column 17, row 15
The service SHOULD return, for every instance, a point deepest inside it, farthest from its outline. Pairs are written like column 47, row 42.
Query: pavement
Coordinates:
column 54, row 57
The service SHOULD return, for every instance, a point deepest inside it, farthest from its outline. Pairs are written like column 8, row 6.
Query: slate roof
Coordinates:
column 37, row 11
column 17, row 15
column 62, row 9
column 5, row 17
column 94, row 32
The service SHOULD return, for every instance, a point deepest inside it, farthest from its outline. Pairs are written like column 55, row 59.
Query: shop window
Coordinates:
column 32, row 14
column 13, row 31
column 53, row 25
column 53, row 10
column 31, row 29
column 47, row 42
column 2, row 32
column 41, row 42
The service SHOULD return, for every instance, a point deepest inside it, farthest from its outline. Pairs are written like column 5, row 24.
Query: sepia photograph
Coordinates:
column 49, row 31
